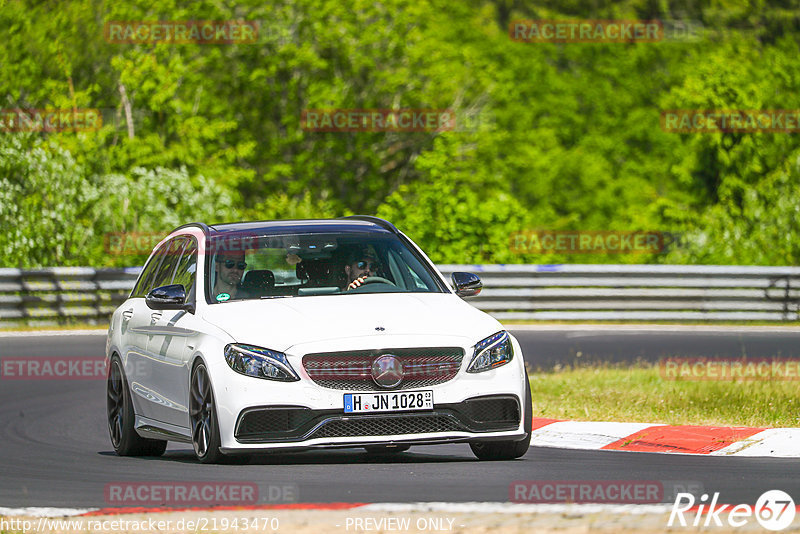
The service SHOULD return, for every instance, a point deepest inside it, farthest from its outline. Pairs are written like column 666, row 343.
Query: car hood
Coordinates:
column 281, row 323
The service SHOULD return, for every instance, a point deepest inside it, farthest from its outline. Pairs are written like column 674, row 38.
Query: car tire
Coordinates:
column 386, row 449
column 120, row 417
column 203, row 417
column 508, row 450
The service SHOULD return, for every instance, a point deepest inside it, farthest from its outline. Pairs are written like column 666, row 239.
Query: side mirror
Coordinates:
column 467, row 284
column 172, row 297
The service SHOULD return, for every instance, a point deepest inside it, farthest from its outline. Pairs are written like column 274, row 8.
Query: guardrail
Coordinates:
column 60, row 295
column 636, row 292
column 522, row 292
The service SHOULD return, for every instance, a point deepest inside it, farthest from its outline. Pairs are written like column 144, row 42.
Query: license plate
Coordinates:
column 388, row 402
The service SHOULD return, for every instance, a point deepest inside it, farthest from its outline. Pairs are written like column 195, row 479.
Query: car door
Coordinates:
column 134, row 328
column 171, row 346
column 145, row 387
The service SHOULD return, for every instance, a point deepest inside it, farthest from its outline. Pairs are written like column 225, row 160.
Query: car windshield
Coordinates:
column 244, row 267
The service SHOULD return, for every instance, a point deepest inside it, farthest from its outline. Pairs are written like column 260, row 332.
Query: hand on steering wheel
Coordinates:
column 362, row 280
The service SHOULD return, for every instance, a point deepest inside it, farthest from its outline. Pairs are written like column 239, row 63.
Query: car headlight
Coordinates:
column 259, row 362
column 492, row 352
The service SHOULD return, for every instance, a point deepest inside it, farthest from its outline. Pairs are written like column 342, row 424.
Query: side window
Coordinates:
column 187, row 267
column 417, row 277
column 418, row 283
column 396, row 271
column 147, row 273
column 167, row 269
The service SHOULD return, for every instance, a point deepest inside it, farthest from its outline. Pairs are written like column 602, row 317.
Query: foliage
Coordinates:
column 54, row 213
column 549, row 136
column 46, row 204
column 461, row 215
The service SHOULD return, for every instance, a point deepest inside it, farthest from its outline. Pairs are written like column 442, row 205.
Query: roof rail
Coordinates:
column 202, row 226
column 375, row 220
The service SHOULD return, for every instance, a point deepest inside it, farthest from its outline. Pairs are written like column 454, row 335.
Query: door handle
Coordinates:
column 127, row 314
column 155, row 316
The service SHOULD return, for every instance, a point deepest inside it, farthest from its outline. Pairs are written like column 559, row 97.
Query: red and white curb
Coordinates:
column 682, row 439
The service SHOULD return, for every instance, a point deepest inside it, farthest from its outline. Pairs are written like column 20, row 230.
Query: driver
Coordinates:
column 360, row 266
column 230, row 266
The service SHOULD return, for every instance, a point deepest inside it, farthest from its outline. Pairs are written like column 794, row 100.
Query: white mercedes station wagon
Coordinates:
column 277, row 336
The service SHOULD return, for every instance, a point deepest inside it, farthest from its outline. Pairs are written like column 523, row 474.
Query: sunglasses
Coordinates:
column 241, row 265
column 373, row 265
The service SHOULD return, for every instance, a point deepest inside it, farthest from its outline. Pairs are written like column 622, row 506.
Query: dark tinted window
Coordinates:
column 167, row 269
column 140, row 290
column 187, row 267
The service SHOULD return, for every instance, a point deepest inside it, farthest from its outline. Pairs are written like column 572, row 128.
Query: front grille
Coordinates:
column 352, row 370
column 387, row 426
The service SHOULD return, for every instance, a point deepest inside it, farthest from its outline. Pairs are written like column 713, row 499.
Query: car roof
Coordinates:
column 343, row 225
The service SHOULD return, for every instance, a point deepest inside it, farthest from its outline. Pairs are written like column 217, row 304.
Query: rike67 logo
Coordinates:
column 774, row 510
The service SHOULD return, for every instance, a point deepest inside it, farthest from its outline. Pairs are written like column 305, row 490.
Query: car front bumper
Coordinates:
column 259, row 415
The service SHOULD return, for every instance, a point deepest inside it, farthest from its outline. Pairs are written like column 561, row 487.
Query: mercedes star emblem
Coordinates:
column 387, row 371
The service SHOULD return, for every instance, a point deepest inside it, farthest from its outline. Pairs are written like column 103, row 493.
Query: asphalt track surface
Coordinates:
column 55, row 451
column 545, row 348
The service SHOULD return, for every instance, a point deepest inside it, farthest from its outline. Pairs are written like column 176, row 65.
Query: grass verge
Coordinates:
column 46, row 327
column 637, row 393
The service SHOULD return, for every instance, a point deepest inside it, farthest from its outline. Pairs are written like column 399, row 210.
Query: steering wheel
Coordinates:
column 377, row 280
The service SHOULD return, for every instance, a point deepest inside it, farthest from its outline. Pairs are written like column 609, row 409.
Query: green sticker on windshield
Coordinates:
column 222, row 297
